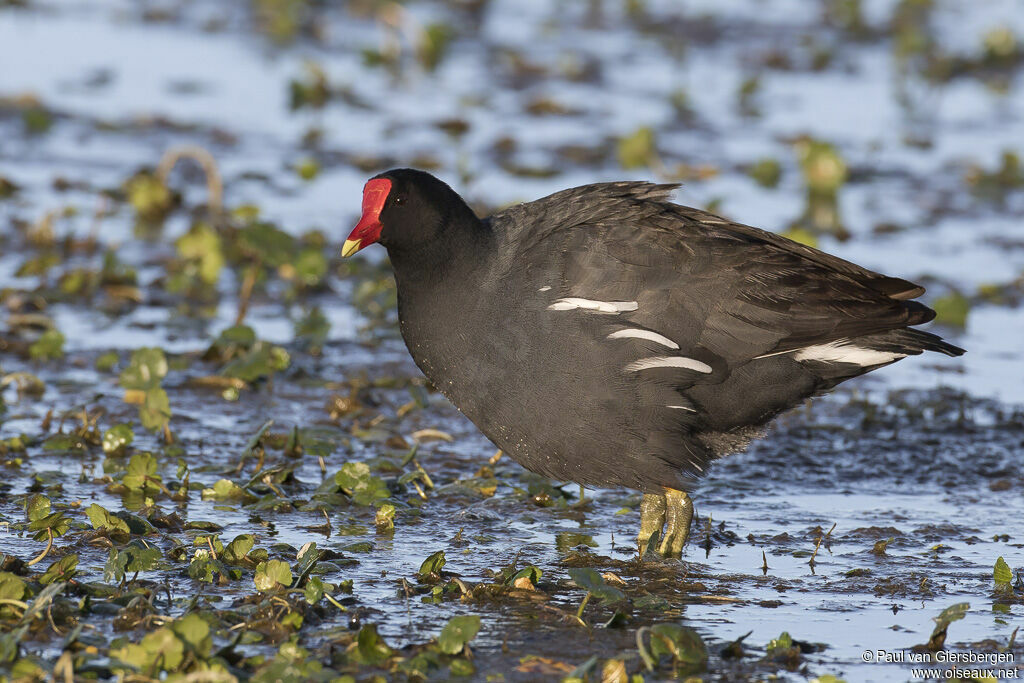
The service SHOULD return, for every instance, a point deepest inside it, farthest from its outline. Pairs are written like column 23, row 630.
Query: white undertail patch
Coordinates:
column 635, row 333
column 607, row 307
column 844, row 352
column 669, row 362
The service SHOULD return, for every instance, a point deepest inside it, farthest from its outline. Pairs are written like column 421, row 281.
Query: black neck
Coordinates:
column 459, row 242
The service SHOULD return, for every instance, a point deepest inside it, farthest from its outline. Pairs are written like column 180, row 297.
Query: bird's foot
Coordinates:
column 668, row 514
column 652, row 519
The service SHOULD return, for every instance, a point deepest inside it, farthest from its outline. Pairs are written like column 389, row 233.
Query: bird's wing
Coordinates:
column 691, row 325
column 727, row 292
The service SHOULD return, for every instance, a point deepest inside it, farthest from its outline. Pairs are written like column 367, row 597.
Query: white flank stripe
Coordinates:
column 634, row 333
column 668, row 362
column 573, row 303
column 844, row 352
column 686, row 408
column 544, row 288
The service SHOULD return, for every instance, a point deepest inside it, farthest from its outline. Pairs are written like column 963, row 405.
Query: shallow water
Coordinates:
column 888, row 456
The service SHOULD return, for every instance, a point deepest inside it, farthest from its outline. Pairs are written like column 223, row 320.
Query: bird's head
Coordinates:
column 404, row 210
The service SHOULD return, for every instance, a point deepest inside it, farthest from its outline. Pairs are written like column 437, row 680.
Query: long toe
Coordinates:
column 652, row 519
column 678, row 515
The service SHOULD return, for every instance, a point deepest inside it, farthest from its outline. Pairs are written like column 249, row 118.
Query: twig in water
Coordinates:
column 214, row 185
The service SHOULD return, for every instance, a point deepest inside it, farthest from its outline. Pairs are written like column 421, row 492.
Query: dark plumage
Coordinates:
column 607, row 336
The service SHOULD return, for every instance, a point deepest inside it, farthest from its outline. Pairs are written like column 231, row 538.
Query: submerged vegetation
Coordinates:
column 220, row 463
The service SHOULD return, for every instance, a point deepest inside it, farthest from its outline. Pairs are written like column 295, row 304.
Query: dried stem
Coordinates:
column 214, row 185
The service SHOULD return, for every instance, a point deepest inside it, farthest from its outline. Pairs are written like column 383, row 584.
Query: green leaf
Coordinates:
column 308, row 168
column 206, row 569
column 370, row 648
column 358, row 547
column 637, row 150
column 12, row 587
column 433, row 45
column 529, row 572
column 202, row 245
column 823, row 167
column 586, row 578
column 193, row 630
column 231, row 342
column 136, row 525
column 114, row 272
column 155, row 412
column 1002, row 575
column 117, row 438
column 351, row 473
column 63, row 442
column 9, row 644
column 267, row 243
column 227, row 490
column 146, row 370
column 433, row 564
column 462, row 667
column 28, row 669
column 590, row 581
column 140, row 475
column 766, row 172
column 880, row 546
column 148, row 196
column 683, row 644
column 38, row 507
column 106, row 362
column 160, row 650
column 271, row 574
column 114, row 569
column 36, row 119
column 952, row 309
column 134, row 558
column 384, row 519
column 355, row 479
column 457, row 632
column 780, row 644
column 952, row 613
column 313, row 328
column 38, row 265
column 100, row 518
column 56, row 523
column 256, row 440
column 263, row 360
column 236, row 551
column 50, row 346
column 15, row 444
column 314, row 590
column 310, row 267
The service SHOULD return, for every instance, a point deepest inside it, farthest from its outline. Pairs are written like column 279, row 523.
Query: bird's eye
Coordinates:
column 399, row 199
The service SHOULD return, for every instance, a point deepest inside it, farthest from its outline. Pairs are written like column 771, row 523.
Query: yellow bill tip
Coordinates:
column 350, row 247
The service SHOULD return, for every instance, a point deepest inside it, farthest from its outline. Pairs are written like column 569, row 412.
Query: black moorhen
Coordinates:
column 606, row 336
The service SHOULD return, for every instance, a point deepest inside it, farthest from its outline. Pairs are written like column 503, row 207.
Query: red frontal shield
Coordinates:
column 367, row 230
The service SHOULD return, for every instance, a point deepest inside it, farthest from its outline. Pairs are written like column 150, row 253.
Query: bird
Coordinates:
column 608, row 336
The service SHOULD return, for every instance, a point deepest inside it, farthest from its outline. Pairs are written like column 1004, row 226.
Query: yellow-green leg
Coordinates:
column 669, row 513
column 652, row 519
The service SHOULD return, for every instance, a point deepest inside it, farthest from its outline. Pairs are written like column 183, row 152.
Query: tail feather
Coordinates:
column 899, row 343
column 910, row 342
